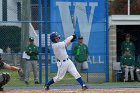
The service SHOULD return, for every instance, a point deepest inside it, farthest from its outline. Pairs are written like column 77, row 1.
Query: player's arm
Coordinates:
column 70, row 39
column 13, row 68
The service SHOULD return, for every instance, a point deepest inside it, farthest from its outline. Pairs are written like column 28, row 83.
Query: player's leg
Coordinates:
column 79, row 66
column 138, row 74
column 72, row 70
column 126, row 73
column 35, row 71
column 132, row 73
column 27, row 71
column 62, row 69
column 4, row 79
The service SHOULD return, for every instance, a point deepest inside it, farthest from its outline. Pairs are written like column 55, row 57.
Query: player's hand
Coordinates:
column 74, row 36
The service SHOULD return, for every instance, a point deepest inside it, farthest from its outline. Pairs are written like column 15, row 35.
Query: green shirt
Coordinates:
column 128, row 45
column 138, row 62
column 127, row 60
column 32, row 51
column 80, row 53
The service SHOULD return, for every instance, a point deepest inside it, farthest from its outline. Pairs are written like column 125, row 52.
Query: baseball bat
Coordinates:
column 74, row 26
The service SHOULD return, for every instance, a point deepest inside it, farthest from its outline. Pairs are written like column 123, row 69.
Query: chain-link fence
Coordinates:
column 19, row 20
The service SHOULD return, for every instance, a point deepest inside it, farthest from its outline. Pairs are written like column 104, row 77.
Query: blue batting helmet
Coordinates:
column 53, row 36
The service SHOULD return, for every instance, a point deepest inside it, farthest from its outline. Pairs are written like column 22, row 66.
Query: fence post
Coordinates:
column 40, row 39
column 46, row 40
column 107, row 44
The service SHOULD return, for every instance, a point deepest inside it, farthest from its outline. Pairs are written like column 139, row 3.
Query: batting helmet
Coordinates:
column 53, row 36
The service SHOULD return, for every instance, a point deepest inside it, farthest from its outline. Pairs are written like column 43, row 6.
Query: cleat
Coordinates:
column 1, row 89
column 84, row 88
column 36, row 82
column 47, row 88
column 26, row 82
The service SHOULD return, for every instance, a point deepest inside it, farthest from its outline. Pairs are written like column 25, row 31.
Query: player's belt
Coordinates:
column 63, row 60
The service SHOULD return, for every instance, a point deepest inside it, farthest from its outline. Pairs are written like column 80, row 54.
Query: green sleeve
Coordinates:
column 27, row 50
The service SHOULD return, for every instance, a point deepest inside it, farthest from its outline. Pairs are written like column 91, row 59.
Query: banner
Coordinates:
column 86, row 18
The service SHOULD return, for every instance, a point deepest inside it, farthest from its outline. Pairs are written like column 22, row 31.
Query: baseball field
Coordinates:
column 115, row 90
column 17, row 86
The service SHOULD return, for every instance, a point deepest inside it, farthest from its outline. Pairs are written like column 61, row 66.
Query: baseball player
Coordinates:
column 127, row 44
column 127, row 63
column 5, row 77
column 32, row 51
column 64, row 64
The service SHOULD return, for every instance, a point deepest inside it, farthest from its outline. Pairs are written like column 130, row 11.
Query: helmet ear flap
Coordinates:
column 52, row 39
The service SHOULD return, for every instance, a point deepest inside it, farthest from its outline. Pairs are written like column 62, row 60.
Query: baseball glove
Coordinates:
column 20, row 72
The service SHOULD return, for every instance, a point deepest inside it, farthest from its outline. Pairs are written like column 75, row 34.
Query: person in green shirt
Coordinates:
column 127, row 64
column 127, row 44
column 81, row 54
column 138, row 68
column 32, row 52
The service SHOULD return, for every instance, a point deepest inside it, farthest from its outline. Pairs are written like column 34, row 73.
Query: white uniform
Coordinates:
column 64, row 64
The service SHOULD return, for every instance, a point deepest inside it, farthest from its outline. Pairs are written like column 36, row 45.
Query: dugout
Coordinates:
column 119, row 25
column 134, row 31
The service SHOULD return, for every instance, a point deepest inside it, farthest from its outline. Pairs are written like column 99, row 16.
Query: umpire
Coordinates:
column 32, row 51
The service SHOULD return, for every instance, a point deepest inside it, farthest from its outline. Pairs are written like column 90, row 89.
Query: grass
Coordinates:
column 68, row 80
column 16, row 82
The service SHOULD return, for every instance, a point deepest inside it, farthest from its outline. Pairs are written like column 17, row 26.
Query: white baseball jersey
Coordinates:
column 64, row 64
column 60, row 51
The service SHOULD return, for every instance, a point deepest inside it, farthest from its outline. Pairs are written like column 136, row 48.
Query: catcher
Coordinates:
column 5, row 77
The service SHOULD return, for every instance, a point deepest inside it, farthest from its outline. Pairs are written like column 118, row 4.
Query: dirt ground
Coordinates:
column 116, row 90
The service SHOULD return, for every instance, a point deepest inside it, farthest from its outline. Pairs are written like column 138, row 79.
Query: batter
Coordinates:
column 64, row 64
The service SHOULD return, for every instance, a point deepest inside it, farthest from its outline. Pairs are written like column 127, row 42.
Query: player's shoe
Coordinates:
column 26, row 82
column 84, row 87
column 36, row 82
column 47, row 87
column 1, row 89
